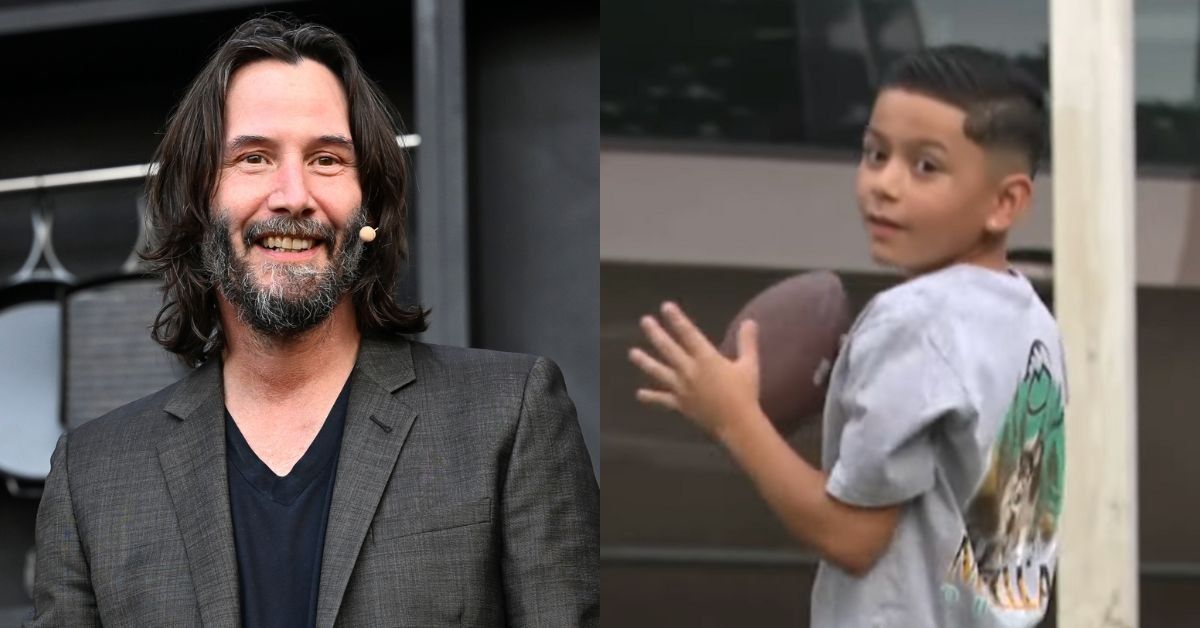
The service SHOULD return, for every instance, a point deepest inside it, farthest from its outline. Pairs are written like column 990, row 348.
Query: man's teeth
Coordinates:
column 287, row 244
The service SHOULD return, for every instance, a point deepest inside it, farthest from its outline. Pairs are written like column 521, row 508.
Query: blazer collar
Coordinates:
column 378, row 420
column 388, row 362
column 192, row 457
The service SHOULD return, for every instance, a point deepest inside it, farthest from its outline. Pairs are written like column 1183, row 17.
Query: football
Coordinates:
column 801, row 321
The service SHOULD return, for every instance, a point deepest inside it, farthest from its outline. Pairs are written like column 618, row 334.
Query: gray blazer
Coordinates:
column 464, row 497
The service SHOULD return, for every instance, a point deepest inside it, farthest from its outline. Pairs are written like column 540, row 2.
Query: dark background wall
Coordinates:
column 96, row 96
column 535, row 192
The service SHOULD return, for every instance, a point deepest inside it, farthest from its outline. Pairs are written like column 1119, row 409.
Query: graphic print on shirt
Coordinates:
column 1006, row 559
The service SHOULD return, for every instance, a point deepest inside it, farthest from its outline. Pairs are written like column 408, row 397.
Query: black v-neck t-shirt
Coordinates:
column 279, row 524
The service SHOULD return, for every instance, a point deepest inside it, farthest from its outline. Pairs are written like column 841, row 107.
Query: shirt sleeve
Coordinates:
column 898, row 386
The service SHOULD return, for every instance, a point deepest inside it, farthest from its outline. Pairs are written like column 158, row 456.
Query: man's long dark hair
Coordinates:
column 180, row 196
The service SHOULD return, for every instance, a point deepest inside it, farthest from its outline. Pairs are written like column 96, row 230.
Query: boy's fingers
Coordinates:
column 660, row 372
column 663, row 342
column 658, row 398
column 689, row 335
column 748, row 341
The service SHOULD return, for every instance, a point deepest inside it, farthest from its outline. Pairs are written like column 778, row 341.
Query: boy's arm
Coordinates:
column 721, row 396
column 852, row 537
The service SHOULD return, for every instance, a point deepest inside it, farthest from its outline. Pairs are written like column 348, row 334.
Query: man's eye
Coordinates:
column 326, row 160
column 254, row 159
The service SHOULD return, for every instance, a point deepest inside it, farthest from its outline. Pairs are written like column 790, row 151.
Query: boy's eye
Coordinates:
column 873, row 155
column 927, row 166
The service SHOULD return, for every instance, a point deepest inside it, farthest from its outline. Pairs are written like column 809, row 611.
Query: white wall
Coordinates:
column 786, row 212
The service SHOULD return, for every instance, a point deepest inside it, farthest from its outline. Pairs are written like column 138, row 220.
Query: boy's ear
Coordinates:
column 1012, row 201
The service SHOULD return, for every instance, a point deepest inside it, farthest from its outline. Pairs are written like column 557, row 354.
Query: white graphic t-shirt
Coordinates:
column 949, row 396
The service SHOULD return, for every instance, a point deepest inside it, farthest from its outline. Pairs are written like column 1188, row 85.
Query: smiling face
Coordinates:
column 288, row 200
column 929, row 195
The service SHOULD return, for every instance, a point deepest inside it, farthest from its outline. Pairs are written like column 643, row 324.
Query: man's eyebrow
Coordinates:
column 242, row 141
column 337, row 140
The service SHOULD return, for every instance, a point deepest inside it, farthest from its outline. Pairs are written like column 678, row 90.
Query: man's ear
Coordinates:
column 1012, row 200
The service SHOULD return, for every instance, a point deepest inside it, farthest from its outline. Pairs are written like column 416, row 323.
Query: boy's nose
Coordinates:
column 888, row 180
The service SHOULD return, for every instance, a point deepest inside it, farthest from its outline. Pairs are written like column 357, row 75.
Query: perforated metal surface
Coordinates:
column 111, row 359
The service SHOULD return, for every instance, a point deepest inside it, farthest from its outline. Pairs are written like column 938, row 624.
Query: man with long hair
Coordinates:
column 316, row 467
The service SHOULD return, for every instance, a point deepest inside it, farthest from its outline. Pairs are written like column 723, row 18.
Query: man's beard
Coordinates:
column 296, row 297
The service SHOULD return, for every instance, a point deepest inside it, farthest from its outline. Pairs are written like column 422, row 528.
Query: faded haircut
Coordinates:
column 1005, row 106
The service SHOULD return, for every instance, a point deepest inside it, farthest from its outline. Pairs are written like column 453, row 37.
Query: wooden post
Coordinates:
column 1091, row 69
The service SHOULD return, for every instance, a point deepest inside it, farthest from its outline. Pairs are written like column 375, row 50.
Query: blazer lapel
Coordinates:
column 193, row 462
column 377, row 423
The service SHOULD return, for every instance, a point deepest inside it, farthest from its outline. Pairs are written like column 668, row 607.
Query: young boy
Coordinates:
column 939, row 492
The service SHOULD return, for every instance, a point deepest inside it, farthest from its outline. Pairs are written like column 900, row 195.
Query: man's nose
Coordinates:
column 291, row 189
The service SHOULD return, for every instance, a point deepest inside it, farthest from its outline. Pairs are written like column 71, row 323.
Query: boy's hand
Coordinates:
column 694, row 377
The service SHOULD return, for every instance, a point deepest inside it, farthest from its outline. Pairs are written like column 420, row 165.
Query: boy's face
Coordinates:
column 928, row 193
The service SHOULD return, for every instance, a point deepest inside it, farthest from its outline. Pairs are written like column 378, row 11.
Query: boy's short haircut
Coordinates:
column 1005, row 106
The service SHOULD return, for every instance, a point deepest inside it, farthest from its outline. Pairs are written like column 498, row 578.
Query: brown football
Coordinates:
column 801, row 321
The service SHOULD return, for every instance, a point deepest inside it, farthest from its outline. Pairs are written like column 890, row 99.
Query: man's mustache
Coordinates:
column 288, row 226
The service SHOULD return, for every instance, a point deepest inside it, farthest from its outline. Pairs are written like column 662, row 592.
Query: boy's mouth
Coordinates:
column 880, row 221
